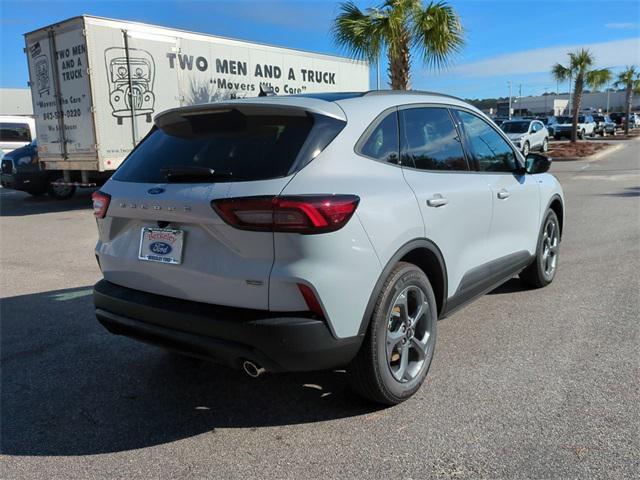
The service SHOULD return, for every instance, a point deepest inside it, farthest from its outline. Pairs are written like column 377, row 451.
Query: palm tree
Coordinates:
column 400, row 26
column 578, row 68
column 630, row 80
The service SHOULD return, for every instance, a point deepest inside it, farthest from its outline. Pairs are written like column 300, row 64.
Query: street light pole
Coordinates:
column 509, row 82
column 546, row 112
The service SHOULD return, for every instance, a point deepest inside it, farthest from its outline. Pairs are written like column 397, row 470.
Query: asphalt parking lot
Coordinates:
column 525, row 384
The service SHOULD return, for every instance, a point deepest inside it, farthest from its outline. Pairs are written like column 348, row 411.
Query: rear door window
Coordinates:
column 15, row 132
column 429, row 140
column 237, row 147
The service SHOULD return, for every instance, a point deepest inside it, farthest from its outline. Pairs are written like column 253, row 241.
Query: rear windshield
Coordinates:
column 236, row 147
column 15, row 132
column 515, row 127
column 564, row 119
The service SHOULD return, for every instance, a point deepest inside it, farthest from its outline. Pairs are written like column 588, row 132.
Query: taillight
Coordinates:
column 100, row 203
column 306, row 214
column 310, row 299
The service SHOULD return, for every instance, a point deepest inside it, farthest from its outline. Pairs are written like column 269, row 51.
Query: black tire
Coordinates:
column 526, row 149
column 545, row 145
column 370, row 371
column 581, row 134
column 60, row 193
column 537, row 274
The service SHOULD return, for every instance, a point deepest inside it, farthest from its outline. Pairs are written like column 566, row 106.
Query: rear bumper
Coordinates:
column 278, row 341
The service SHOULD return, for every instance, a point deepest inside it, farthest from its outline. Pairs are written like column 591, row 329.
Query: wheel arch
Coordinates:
column 557, row 206
column 425, row 255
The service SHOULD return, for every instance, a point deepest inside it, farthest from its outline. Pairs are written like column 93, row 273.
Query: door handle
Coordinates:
column 437, row 201
column 503, row 194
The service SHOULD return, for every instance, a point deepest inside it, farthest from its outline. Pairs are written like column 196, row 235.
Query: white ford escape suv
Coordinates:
column 309, row 232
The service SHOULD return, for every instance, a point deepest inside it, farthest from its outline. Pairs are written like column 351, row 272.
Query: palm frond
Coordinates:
column 360, row 34
column 598, row 78
column 560, row 72
column 580, row 60
column 627, row 77
column 437, row 33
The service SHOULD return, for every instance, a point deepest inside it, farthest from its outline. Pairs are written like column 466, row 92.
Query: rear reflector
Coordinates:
column 101, row 202
column 310, row 299
column 306, row 214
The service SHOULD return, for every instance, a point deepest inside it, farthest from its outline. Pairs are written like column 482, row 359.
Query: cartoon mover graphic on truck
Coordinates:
column 42, row 74
column 130, row 96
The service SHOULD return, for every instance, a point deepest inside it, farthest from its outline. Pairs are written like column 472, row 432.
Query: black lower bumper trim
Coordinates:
column 278, row 341
column 32, row 181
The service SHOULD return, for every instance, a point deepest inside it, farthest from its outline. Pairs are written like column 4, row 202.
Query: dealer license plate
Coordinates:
column 161, row 245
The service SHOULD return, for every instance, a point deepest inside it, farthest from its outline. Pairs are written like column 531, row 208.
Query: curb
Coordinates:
column 593, row 157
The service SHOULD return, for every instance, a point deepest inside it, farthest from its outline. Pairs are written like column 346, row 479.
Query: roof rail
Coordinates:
column 410, row 92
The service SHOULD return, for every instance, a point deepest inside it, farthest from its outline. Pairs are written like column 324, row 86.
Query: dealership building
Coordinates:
column 553, row 104
column 15, row 101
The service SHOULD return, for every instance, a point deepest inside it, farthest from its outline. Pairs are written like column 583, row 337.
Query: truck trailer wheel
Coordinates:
column 60, row 192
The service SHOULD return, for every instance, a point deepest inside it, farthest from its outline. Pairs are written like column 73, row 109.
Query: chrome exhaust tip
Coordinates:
column 251, row 369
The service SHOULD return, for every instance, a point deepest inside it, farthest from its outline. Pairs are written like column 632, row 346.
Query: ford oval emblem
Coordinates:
column 160, row 248
column 155, row 191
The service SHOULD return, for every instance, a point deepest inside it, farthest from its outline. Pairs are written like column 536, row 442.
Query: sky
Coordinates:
column 506, row 41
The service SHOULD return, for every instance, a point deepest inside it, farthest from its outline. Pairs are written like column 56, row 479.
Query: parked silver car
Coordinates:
column 527, row 135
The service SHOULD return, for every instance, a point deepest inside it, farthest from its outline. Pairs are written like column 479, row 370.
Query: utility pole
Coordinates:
column 520, row 98
column 546, row 112
column 378, row 73
column 509, row 82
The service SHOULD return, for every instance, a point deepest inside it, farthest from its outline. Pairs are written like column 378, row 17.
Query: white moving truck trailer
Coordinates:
column 97, row 83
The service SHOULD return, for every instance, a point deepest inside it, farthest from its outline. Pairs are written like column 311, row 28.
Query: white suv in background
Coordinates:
column 586, row 126
column 527, row 135
column 310, row 232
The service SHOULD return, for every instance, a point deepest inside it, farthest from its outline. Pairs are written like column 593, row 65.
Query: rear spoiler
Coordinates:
column 294, row 106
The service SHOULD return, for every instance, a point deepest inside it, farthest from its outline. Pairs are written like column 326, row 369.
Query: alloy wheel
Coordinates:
column 550, row 247
column 408, row 334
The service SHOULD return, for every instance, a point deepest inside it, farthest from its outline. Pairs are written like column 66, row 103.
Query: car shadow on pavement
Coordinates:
column 68, row 387
column 627, row 192
column 17, row 204
column 510, row 286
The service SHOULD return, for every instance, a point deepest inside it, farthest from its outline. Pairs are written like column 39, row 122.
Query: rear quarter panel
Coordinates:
column 343, row 267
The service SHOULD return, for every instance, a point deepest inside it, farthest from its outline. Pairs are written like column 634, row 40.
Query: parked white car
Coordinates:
column 320, row 231
column 527, row 135
column 16, row 131
column 586, row 127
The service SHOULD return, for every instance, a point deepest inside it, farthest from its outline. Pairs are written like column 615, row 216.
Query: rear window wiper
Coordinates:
column 175, row 174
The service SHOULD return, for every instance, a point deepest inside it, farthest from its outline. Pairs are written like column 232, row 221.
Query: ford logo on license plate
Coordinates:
column 160, row 248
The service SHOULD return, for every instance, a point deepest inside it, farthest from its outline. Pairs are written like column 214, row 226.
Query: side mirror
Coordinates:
column 536, row 163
